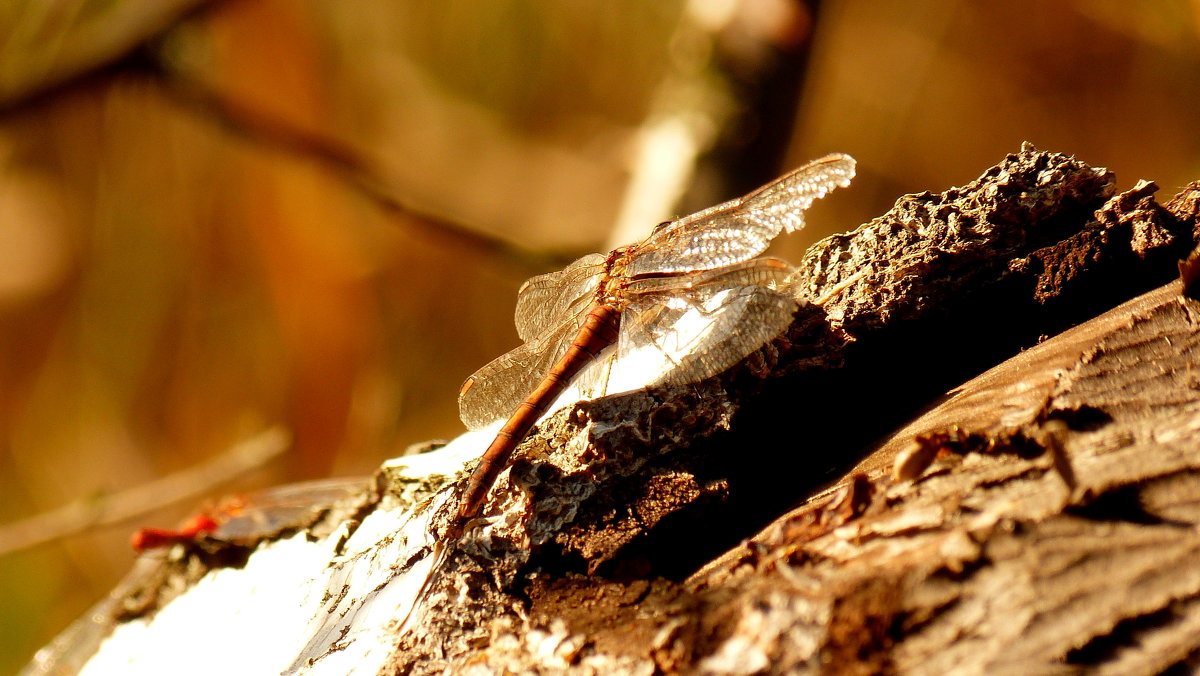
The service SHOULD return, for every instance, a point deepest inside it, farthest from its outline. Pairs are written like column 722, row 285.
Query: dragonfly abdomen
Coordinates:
column 598, row 331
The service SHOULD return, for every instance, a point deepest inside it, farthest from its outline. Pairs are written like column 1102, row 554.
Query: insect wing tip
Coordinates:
column 844, row 168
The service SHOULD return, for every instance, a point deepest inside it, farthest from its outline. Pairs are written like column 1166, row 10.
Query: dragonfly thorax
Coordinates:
column 611, row 289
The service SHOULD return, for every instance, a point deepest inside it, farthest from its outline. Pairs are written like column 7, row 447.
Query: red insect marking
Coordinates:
column 151, row 538
column 247, row 518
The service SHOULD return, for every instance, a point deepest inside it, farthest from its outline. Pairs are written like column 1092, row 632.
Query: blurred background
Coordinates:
column 255, row 241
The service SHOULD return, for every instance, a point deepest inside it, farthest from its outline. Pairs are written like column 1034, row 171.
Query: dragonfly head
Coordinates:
column 617, row 259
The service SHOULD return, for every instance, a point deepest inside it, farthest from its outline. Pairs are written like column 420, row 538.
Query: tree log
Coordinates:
column 1040, row 518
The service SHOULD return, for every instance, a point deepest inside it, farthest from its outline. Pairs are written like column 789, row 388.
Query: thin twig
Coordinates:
column 342, row 161
column 105, row 510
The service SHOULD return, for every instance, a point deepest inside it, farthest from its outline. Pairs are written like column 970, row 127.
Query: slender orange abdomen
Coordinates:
column 599, row 330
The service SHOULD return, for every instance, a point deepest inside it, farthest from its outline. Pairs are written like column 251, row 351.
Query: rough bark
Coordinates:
column 1004, row 558
column 1043, row 520
column 908, row 304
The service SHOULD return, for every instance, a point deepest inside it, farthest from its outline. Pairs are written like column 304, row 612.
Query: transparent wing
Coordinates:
column 725, row 329
column 685, row 328
column 767, row 272
column 493, row 392
column 697, row 331
column 544, row 301
column 740, row 229
column 591, row 382
column 273, row 510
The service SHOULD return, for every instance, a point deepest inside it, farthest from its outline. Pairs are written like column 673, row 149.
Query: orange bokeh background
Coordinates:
column 228, row 217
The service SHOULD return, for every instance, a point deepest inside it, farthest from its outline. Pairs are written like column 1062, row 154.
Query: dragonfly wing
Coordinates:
column 493, row 392
column 771, row 273
column 780, row 205
column 696, row 333
column 740, row 229
column 592, row 380
column 544, row 301
column 290, row 506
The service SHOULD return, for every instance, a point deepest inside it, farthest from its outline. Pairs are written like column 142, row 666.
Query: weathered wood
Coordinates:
column 988, row 563
column 1049, row 525
column 1036, row 244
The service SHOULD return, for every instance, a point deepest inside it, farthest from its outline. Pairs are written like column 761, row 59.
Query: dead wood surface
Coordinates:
column 1046, row 516
column 990, row 562
column 986, row 565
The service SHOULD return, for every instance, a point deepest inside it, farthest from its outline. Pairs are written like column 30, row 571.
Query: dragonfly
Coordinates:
column 693, row 298
column 241, row 519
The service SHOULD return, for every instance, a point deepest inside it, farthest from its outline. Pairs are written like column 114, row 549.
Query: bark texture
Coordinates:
column 1029, row 545
column 1040, row 518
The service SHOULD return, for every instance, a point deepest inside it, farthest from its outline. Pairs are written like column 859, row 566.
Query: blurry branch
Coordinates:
column 50, row 46
column 341, row 160
column 106, row 510
column 129, row 41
